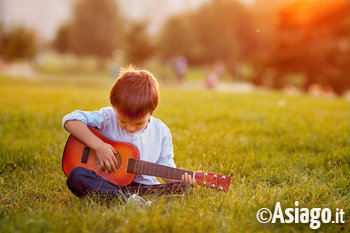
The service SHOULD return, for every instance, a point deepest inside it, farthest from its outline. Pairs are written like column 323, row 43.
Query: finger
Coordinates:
column 115, row 162
column 111, row 163
column 191, row 180
column 195, row 182
column 186, row 178
column 183, row 178
column 101, row 164
column 114, row 150
column 107, row 165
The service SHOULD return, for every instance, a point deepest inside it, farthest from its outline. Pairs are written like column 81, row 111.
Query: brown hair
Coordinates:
column 135, row 93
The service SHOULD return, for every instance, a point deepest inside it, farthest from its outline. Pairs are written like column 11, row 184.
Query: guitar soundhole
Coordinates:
column 119, row 159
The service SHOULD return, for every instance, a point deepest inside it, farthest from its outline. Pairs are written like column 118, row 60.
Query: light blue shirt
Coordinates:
column 154, row 143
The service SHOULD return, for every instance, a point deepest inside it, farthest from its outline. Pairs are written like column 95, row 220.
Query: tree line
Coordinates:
column 280, row 40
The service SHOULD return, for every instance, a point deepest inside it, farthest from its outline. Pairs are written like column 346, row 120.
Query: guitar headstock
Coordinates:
column 213, row 181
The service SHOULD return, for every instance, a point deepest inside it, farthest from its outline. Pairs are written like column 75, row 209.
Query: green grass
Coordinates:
column 299, row 152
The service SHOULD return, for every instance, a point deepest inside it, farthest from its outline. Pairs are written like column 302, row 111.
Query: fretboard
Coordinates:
column 152, row 169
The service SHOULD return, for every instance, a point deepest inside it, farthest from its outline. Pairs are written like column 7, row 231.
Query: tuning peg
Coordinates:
column 212, row 186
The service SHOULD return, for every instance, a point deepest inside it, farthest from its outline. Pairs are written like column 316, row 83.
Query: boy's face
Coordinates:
column 132, row 125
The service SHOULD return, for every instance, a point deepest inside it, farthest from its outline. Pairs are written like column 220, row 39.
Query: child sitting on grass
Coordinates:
column 133, row 97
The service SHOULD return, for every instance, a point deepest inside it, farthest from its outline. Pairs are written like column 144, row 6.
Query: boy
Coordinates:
column 134, row 97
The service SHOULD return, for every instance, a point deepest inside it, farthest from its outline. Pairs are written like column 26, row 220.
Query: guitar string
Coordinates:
column 142, row 167
column 148, row 168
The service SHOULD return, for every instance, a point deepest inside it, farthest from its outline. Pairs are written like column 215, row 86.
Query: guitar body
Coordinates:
column 76, row 154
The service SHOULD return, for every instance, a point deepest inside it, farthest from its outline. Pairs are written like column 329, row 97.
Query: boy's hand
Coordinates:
column 188, row 179
column 105, row 154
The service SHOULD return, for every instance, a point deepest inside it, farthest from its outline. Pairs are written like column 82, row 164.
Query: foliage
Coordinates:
column 298, row 151
column 96, row 30
column 62, row 42
column 137, row 44
column 178, row 37
column 219, row 30
column 313, row 39
column 225, row 29
column 19, row 43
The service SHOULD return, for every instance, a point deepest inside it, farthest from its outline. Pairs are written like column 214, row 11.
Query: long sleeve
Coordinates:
column 93, row 118
column 167, row 152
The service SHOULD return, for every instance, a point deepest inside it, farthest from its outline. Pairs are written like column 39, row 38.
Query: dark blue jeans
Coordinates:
column 82, row 181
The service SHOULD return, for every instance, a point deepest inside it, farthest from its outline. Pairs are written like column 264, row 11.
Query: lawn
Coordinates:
column 277, row 148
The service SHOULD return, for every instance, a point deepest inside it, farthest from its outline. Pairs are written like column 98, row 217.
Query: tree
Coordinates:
column 96, row 28
column 313, row 39
column 20, row 43
column 63, row 38
column 138, row 46
column 178, row 37
column 225, row 29
column 220, row 30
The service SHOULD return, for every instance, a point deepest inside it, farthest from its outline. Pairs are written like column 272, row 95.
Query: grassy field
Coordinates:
column 277, row 148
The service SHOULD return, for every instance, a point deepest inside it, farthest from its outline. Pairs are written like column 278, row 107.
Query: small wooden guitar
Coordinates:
column 76, row 154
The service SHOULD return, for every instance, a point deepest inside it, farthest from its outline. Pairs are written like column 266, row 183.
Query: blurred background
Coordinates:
column 296, row 46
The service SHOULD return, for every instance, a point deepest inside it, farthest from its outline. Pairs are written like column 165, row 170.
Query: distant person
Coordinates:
column 115, row 69
column 133, row 98
column 213, row 76
column 180, row 67
column 211, row 79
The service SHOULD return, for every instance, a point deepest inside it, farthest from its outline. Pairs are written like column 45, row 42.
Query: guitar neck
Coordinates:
column 152, row 169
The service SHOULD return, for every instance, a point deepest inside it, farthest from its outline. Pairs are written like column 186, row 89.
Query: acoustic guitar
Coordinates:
column 76, row 154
